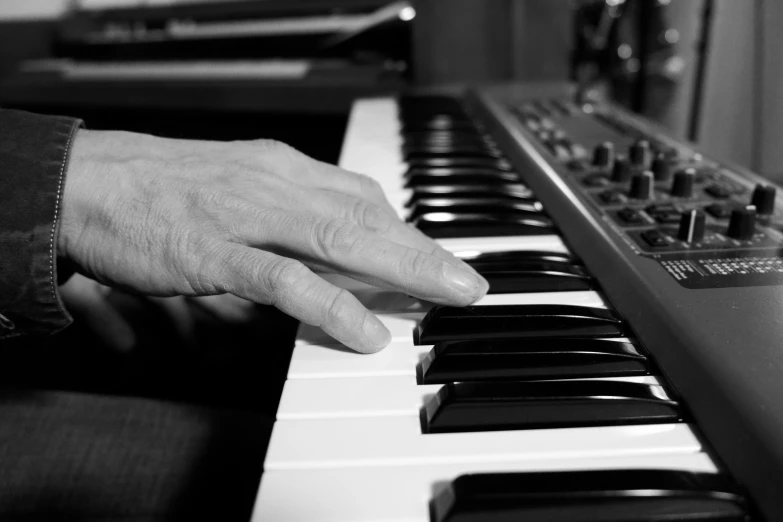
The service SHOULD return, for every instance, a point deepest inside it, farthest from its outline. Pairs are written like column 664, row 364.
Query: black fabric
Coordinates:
column 33, row 157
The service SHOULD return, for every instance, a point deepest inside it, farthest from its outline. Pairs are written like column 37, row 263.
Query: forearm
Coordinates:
column 33, row 159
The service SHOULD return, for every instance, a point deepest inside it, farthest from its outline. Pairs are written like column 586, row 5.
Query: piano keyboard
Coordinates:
column 426, row 430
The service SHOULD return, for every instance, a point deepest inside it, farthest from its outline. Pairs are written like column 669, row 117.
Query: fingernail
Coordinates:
column 465, row 282
column 375, row 332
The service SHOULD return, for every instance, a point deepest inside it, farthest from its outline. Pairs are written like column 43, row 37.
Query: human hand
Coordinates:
column 254, row 219
column 89, row 302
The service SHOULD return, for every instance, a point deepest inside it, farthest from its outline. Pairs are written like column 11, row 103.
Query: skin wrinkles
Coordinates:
column 255, row 219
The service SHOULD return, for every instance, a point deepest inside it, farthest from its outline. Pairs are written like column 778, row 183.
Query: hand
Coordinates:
column 88, row 301
column 254, row 219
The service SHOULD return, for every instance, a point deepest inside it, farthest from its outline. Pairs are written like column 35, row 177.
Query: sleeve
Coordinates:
column 33, row 157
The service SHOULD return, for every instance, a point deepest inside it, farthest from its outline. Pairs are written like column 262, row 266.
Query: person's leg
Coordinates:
column 69, row 456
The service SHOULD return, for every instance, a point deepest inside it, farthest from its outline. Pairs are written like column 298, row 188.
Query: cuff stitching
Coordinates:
column 53, row 237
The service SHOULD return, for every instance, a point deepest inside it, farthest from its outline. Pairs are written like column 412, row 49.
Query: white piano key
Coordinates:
column 372, row 144
column 320, row 361
column 367, row 396
column 359, row 397
column 398, row 441
column 325, row 361
column 401, row 325
column 402, row 494
column 578, row 298
column 472, row 246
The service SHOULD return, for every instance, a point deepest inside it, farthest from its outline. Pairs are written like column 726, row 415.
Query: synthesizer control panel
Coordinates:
column 706, row 222
column 688, row 247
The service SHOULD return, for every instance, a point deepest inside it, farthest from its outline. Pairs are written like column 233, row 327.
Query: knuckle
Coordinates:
column 276, row 148
column 338, row 311
column 371, row 217
column 284, row 276
column 200, row 261
column 370, row 186
column 337, row 238
column 416, row 262
column 201, row 195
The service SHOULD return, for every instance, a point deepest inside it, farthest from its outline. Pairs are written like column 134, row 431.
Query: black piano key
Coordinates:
column 533, row 276
column 447, row 323
column 476, row 206
column 460, row 161
column 420, row 140
column 520, row 256
column 447, row 172
column 446, row 224
column 510, row 405
column 449, row 151
column 447, row 135
column 529, row 359
column 481, row 179
column 630, row 495
column 510, row 191
column 525, row 281
column 438, row 123
column 424, row 103
column 532, row 264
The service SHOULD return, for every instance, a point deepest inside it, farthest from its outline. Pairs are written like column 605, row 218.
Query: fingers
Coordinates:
column 306, row 171
column 290, row 286
column 345, row 195
column 180, row 317
column 341, row 246
column 371, row 217
column 227, row 307
column 88, row 300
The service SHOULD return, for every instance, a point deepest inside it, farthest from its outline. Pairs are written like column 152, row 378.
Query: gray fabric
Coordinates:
column 70, row 456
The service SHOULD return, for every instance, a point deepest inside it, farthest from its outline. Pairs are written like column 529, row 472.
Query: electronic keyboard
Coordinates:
column 625, row 365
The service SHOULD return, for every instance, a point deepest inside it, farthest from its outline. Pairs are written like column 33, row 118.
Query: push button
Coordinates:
column 718, row 191
column 654, row 238
column 631, row 216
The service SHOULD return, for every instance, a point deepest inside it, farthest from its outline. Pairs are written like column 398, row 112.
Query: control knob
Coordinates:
column 639, row 154
column 642, row 186
column 742, row 223
column 764, row 199
column 621, row 172
column 682, row 187
column 661, row 168
column 691, row 226
column 603, row 155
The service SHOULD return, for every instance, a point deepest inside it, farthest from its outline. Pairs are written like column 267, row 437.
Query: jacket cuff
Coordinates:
column 33, row 159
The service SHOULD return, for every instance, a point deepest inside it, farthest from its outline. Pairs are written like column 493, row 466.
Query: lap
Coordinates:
column 167, row 432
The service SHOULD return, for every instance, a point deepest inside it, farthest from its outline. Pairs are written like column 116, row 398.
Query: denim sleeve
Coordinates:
column 33, row 157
